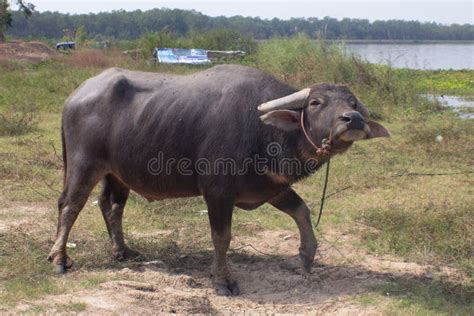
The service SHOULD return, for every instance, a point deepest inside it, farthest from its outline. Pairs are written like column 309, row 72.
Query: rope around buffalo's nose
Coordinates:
column 324, row 150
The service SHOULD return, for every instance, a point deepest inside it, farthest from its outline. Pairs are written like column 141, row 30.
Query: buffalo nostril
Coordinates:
column 345, row 118
column 353, row 119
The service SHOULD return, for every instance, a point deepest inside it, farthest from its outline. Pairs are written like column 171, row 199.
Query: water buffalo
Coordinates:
column 121, row 127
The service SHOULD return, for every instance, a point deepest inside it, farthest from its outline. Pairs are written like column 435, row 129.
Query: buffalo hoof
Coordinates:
column 306, row 262
column 231, row 289
column 61, row 267
column 127, row 254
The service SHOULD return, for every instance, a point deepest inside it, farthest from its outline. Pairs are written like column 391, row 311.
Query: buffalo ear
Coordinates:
column 377, row 130
column 283, row 119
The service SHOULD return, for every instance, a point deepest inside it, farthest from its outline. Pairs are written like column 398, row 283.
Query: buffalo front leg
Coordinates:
column 292, row 204
column 220, row 217
column 112, row 202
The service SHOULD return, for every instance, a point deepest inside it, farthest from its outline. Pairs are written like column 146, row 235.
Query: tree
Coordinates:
column 26, row 7
column 81, row 35
column 6, row 16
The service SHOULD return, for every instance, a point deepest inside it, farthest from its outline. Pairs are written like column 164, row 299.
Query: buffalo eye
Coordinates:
column 353, row 101
column 317, row 101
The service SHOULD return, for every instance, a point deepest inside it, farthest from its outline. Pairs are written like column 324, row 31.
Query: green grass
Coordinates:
column 449, row 82
column 430, row 233
column 420, row 297
column 428, row 219
column 44, row 84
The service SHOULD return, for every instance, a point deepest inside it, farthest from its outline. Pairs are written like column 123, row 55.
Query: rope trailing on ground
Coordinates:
column 407, row 174
column 323, row 197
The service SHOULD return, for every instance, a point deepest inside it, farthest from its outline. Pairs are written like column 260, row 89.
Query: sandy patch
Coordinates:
column 271, row 281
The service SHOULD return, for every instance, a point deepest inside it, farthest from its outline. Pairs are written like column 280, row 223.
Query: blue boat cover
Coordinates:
column 181, row 56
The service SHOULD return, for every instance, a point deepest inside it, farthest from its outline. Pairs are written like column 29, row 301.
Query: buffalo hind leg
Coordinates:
column 220, row 217
column 292, row 204
column 112, row 201
column 78, row 187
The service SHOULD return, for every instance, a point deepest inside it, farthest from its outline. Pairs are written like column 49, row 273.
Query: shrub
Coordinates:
column 148, row 42
column 18, row 121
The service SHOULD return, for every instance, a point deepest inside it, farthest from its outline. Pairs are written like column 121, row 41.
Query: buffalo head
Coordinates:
column 330, row 111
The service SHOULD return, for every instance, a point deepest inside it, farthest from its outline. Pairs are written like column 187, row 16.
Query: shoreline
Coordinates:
column 349, row 41
column 368, row 41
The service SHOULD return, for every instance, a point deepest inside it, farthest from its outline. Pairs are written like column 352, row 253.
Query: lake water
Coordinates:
column 417, row 56
column 463, row 106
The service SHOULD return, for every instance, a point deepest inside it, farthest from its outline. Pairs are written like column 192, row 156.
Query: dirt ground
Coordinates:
column 266, row 266
column 26, row 51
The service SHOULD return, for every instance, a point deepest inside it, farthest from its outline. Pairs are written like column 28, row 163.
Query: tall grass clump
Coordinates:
column 222, row 39
column 302, row 61
column 18, row 120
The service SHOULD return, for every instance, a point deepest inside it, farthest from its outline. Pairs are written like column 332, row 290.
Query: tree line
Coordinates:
column 132, row 25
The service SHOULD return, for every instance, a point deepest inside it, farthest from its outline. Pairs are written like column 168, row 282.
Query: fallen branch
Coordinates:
column 412, row 174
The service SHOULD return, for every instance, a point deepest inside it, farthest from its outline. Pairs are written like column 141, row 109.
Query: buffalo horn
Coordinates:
column 290, row 102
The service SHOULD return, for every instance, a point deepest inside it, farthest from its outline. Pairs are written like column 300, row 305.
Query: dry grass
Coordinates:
column 88, row 58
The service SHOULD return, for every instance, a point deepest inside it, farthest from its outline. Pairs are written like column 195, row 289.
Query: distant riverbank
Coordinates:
column 366, row 41
column 352, row 41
